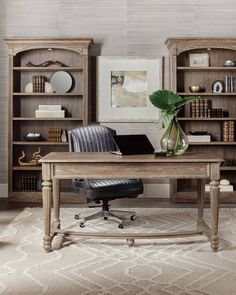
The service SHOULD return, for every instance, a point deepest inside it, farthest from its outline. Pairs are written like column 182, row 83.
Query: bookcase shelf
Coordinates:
column 47, row 94
column 206, row 119
column 182, row 76
column 203, row 69
column 228, row 168
column 46, row 119
column 27, row 168
column 39, row 143
column 206, row 94
column 72, row 52
column 214, row 143
column 47, row 69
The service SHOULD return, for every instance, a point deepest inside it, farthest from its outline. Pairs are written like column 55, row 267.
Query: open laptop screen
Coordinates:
column 134, row 144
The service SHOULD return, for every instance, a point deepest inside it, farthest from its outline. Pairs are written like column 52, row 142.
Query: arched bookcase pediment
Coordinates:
column 180, row 45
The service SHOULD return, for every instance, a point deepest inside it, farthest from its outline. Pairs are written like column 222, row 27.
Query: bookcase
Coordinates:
column 43, row 57
column 211, row 64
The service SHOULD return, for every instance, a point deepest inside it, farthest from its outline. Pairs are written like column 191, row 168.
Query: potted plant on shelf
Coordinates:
column 174, row 141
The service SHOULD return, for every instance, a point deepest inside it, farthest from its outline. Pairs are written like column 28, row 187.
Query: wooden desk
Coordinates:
column 56, row 166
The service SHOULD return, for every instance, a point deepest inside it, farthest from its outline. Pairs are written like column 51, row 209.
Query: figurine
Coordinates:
column 63, row 136
column 35, row 158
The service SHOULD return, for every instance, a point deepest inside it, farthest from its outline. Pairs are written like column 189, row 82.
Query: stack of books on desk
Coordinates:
column 48, row 111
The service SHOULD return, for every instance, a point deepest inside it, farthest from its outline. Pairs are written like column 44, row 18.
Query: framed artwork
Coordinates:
column 124, row 85
column 199, row 60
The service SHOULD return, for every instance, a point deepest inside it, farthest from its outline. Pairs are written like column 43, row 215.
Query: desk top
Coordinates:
column 73, row 157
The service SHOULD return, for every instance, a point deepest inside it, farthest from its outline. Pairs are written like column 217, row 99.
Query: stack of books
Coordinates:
column 215, row 113
column 54, row 134
column 199, row 138
column 201, row 108
column 38, row 83
column 230, row 84
column 228, row 131
column 28, row 183
column 48, row 111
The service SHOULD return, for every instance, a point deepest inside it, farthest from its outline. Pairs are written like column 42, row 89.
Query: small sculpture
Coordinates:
column 63, row 136
column 35, row 158
column 45, row 63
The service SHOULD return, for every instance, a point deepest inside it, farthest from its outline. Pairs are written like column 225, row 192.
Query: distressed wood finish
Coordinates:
column 181, row 77
column 102, row 165
column 74, row 53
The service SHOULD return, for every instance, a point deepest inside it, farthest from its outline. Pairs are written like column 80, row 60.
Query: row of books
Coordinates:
column 28, row 183
column 230, row 84
column 38, row 83
column 228, row 131
column 229, row 162
column 48, row 111
column 54, row 134
column 201, row 108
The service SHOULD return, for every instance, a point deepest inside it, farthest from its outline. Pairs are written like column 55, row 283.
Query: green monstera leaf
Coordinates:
column 165, row 100
column 169, row 103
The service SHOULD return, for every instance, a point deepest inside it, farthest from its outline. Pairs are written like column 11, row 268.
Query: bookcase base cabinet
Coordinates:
column 32, row 64
column 205, row 62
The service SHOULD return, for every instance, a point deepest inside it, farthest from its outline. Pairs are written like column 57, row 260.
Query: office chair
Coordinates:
column 97, row 138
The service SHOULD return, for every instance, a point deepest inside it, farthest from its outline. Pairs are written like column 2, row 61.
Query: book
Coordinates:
column 54, row 134
column 49, row 107
column 199, row 138
column 228, row 131
column 38, row 84
column 49, row 114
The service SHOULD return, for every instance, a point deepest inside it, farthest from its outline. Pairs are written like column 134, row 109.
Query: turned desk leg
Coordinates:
column 56, row 201
column 47, row 199
column 214, row 200
column 201, row 198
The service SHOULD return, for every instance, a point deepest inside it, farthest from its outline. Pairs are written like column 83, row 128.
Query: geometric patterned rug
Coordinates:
column 83, row 266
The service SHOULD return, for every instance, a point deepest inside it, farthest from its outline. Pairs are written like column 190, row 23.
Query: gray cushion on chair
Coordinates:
column 97, row 138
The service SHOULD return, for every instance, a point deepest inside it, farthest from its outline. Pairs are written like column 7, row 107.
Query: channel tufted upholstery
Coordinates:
column 97, row 138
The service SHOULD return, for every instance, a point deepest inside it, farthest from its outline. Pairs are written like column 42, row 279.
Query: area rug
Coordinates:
column 83, row 266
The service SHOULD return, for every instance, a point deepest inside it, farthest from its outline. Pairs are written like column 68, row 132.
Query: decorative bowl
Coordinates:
column 229, row 63
column 196, row 88
column 33, row 137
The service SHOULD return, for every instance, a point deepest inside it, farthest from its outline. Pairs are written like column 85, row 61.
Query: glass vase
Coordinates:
column 174, row 141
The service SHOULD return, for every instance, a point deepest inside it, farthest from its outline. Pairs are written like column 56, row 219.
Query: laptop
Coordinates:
column 134, row 144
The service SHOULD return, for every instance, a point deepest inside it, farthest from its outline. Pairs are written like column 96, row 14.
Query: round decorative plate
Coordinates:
column 61, row 81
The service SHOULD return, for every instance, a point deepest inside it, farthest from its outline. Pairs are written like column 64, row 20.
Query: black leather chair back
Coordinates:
column 92, row 138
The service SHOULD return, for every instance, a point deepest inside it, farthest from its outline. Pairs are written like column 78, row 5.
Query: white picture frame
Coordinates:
column 144, row 74
column 199, row 60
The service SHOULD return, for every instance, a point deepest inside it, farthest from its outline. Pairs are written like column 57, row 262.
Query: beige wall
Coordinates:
column 121, row 27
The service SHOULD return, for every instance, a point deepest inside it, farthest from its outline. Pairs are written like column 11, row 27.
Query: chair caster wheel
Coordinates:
column 105, row 218
column 76, row 216
column 132, row 218
column 130, row 242
column 81, row 224
column 121, row 225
